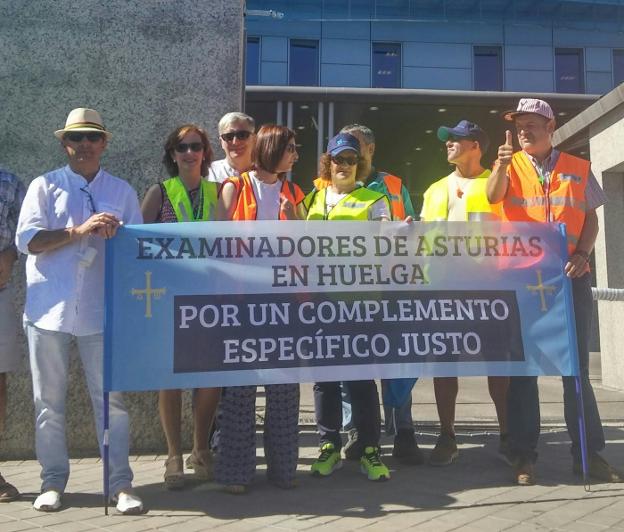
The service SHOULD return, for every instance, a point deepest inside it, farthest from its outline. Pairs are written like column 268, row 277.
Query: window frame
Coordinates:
column 258, row 40
column 399, row 45
column 292, row 42
column 580, row 52
column 501, row 68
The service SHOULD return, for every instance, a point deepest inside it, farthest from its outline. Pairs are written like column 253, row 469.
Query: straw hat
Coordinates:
column 83, row 119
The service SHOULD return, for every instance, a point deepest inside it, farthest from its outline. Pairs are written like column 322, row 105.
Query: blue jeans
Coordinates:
column 523, row 399
column 49, row 363
column 395, row 419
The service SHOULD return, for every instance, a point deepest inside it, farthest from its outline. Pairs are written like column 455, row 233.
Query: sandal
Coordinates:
column 8, row 492
column 201, row 463
column 174, row 473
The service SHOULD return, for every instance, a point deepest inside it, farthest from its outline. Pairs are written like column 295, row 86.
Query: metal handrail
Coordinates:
column 608, row 294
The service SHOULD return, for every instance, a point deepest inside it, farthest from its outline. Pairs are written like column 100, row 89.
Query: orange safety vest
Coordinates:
column 526, row 202
column 394, row 186
column 247, row 206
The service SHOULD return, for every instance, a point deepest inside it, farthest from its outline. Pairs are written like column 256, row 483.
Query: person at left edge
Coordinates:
column 65, row 218
column 11, row 196
column 264, row 193
column 185, row 197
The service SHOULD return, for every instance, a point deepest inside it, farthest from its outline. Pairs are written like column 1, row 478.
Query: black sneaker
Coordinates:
column 353, row 449
column 445, row 451
column 406, row 449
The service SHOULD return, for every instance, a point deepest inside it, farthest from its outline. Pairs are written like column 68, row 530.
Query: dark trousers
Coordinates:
column 523, row 399
column 365, row 411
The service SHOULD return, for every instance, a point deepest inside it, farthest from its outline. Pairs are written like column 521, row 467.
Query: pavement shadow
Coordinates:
column 347, row 493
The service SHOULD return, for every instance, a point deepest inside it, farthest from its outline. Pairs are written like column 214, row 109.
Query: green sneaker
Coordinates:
column 328, row 461
column 372, row 466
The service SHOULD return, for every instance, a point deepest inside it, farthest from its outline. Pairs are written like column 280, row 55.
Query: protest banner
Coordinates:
column 225, row 304
column 204, row 304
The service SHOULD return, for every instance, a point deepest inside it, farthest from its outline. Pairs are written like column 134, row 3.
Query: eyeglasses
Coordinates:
column 345, row 161
column 291, row 148
column 193, row 146
column 91, row 136
column 241, row 134
column 89, row 199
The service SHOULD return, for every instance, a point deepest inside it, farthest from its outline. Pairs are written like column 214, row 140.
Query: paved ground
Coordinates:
column 476, row 493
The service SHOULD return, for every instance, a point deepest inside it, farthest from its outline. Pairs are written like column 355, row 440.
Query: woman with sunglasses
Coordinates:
column 185, row 197
column 264, row 193
column 345, row 199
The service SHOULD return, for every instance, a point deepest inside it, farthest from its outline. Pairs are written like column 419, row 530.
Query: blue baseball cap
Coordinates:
column 343, row 142
column 465, row 130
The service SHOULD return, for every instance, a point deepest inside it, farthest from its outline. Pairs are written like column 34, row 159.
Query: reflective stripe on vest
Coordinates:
column 354, row 206
column 554, row 201
column 478, row 208
column 180, row 200
column 526, row 202
column 247, row 205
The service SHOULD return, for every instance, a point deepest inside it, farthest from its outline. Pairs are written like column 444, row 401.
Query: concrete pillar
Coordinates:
column 146, row 67
column 606, row 141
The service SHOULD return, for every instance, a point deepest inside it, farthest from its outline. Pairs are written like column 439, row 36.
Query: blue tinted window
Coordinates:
column 304, row 63
column 569, row 72
column 488, row 68
column 386, row 65
column 618, row 66
column 252, row 57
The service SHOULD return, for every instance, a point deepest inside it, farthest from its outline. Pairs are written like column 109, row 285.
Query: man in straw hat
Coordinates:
column 65, row 217
column 539, row 183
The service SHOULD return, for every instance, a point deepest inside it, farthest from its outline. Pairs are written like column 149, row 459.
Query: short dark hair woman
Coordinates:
column 185, row 196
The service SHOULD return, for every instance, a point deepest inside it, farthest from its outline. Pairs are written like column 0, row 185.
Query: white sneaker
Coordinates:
column 127, row 503
column 48, row 501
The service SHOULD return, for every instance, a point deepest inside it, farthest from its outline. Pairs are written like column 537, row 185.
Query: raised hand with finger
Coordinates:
column 505, row 151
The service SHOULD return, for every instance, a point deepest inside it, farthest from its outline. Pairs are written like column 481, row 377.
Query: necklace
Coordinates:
column 460, row 189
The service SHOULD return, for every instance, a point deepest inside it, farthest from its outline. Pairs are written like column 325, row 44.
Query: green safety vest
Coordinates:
column 354, row 206
column 181, row 201
column 435, row 205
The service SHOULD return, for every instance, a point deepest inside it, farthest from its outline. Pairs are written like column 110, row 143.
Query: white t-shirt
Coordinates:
column 458, row 189
column 267, row 198
column 220, row 170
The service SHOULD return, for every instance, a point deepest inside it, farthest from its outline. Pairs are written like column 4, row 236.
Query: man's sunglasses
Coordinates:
column 241, row 134
column 91, row 136
column 345, row 161
column 193, row 146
